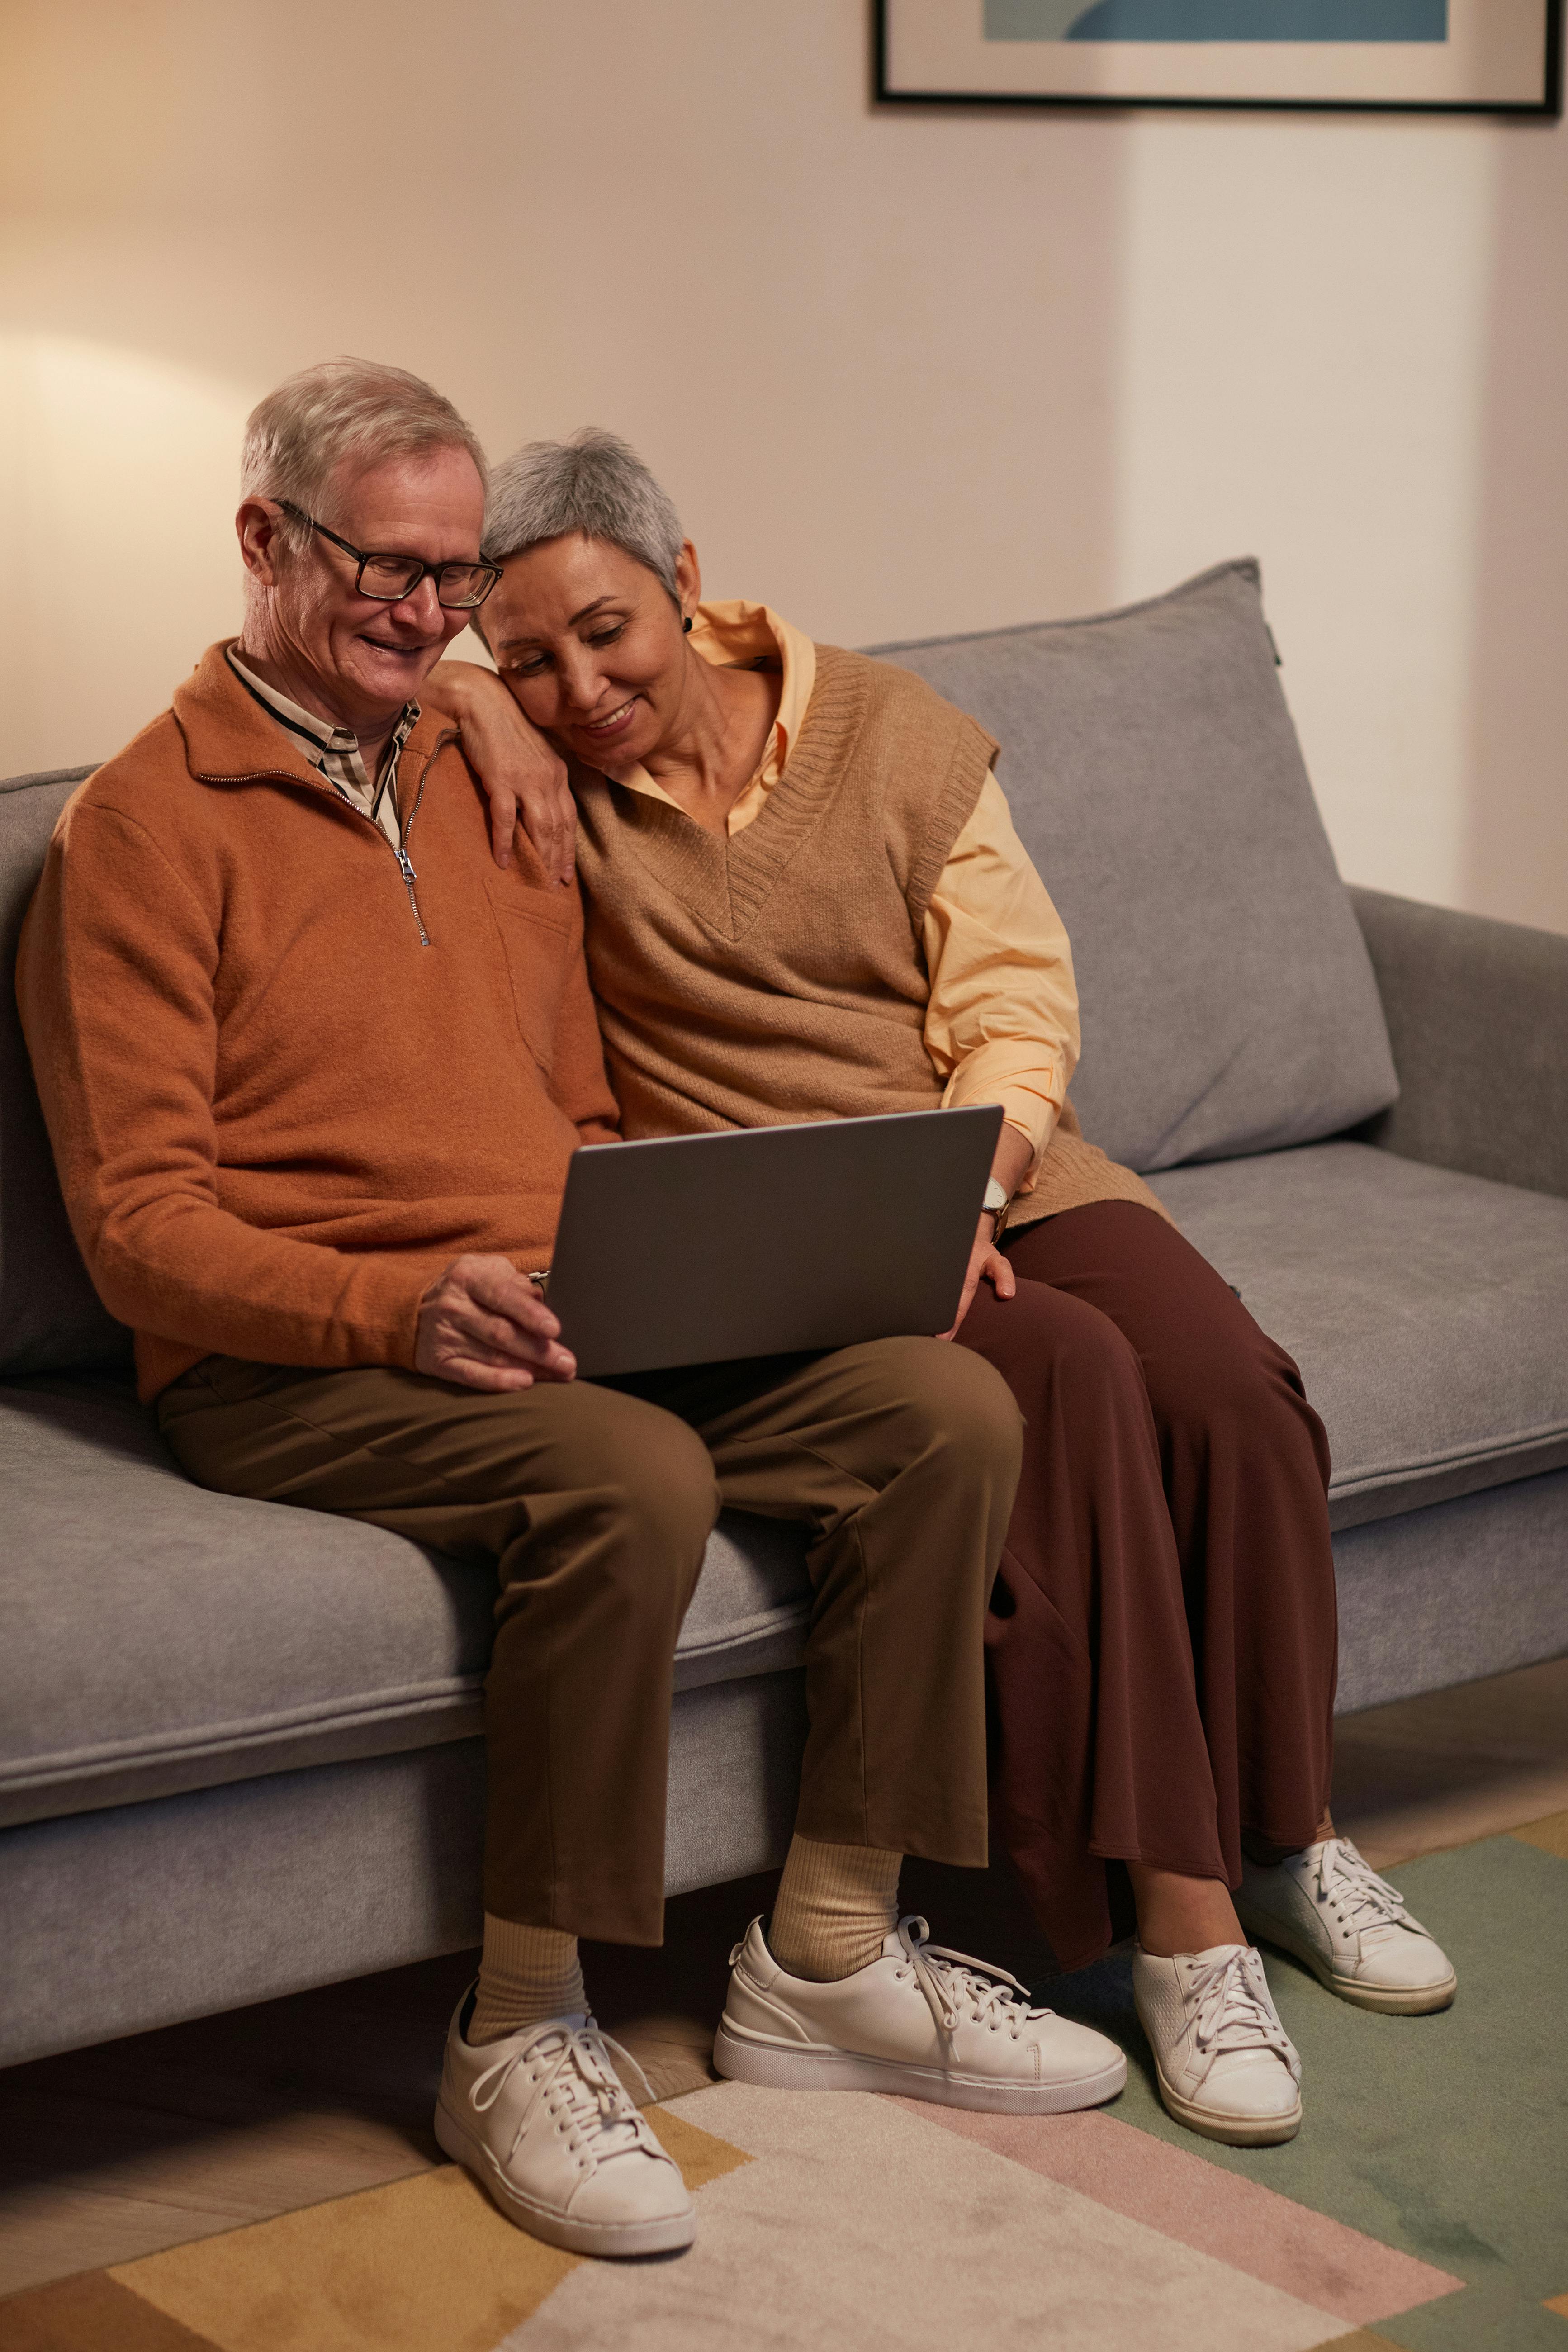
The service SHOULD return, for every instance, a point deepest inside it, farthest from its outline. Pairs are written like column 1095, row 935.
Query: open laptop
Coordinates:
column 763, row 1241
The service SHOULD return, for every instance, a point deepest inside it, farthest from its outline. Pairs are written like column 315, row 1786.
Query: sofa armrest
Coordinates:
column 1477, row 1016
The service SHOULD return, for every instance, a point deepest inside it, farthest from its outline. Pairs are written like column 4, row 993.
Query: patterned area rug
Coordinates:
column 1424, row 2203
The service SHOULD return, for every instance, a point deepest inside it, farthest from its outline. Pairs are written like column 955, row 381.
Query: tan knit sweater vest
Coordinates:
column 777, row 974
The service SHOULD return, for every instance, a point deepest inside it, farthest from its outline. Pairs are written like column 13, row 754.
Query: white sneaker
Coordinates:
column 541, row 2121
column 923, row 2020
column 1227, row 2066
column 1331, row 1910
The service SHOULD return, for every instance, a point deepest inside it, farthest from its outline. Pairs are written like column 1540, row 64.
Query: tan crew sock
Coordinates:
column 526, row 1974
column 836, row 1904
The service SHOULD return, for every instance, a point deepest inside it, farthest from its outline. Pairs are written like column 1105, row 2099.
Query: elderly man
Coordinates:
column 313, row 1069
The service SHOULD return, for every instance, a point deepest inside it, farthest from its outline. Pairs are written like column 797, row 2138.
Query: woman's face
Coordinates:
column 592, row 645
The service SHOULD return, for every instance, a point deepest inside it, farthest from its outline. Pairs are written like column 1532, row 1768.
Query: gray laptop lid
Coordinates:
column 763, row 1241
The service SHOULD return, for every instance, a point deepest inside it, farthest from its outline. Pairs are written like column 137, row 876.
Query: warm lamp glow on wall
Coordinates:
column 119, row 478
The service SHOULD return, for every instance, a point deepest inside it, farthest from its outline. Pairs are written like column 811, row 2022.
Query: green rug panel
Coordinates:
column 1446, row 2136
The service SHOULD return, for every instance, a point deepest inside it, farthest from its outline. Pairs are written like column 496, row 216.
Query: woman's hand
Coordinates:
column 522, row 772
column 986, row 1264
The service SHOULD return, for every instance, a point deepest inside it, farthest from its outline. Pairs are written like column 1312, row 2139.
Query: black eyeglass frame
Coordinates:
column 423, row 570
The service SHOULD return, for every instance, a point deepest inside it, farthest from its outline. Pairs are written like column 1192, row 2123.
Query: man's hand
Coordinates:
column 522, row 772
column 987, row 1264
column 485, row 1326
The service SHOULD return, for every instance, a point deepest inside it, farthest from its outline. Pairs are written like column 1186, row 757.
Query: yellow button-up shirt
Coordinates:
column 1001, row 1023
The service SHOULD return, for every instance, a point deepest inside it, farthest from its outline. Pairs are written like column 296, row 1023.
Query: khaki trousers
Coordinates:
column 594, row 1502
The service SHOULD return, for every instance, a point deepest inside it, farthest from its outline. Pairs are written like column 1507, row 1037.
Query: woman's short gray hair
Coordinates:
column 595, row 483
column 300, row 434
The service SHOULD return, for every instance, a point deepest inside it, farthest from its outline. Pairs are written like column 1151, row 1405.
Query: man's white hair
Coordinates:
column 297, row 437
column 595, row 483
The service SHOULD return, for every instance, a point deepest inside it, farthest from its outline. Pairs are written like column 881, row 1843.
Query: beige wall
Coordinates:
column 904, row 373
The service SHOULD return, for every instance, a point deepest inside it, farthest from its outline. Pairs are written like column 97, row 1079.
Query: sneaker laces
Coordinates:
column 957, row 1987
column 1351, row 1887
column 580, row 2084
column 1235, row 2009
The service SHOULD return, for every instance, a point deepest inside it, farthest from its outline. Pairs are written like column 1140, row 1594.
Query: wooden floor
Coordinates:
column 109, row 2153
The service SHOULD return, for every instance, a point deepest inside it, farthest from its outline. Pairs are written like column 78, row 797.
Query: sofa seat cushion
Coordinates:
column 1428, row 1312
column 159, row 1638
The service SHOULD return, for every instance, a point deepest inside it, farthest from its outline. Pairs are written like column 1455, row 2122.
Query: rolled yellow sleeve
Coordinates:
column 1002, row 1022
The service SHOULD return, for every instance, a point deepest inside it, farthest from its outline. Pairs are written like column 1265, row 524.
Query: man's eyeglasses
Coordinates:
column 389, row 578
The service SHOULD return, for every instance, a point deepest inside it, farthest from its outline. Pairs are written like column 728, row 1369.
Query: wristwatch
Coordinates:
column 998, row 1201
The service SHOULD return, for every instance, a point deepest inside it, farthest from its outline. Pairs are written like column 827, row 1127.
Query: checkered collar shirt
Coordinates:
column 334, row 753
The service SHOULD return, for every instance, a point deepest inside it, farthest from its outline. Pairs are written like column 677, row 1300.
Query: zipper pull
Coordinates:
column 409, row 876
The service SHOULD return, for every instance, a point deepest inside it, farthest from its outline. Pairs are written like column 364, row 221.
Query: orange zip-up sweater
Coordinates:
column 285, row 1083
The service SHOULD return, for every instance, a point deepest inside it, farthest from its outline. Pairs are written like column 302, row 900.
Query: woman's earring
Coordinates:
column 685, row 624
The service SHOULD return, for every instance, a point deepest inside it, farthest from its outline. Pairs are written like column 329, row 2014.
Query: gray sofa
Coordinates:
column 238, row 1748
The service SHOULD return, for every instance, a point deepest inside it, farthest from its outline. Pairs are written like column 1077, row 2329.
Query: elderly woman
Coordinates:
column 805, row 900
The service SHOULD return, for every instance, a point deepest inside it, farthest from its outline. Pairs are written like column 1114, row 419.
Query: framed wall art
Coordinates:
column 1433, row 57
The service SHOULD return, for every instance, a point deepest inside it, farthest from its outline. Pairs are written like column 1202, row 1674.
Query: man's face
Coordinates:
column 367, row 658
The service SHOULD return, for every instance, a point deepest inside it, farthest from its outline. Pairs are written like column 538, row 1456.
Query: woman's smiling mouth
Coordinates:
column 601, row 727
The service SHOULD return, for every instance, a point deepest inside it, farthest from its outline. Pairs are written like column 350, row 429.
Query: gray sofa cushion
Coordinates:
column 50, row 1314
column 1447, row 1594
column 162, row 1639
column 159, row 1638
column 1428, row 1312
column 217, row 1897
column 1155, row 776
column 259, row 1887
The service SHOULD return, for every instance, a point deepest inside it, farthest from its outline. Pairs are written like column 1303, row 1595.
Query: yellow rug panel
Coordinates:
column 1551, row 1835
column 420, row 2265
column 92, row 2313
column 701, row 2157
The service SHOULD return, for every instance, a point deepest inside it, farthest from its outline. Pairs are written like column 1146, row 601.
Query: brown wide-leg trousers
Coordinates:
column 1161, row 1639
column 595, row 1502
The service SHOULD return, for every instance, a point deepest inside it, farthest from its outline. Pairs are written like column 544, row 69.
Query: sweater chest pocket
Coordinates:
column 539, row 948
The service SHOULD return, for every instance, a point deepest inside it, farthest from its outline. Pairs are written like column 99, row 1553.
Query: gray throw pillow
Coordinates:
column 1154, row 777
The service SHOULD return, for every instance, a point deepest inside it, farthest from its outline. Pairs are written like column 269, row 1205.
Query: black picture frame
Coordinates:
column 1548, row 106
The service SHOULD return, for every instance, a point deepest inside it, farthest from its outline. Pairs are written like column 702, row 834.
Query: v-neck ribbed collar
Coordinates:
column 727, row 881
